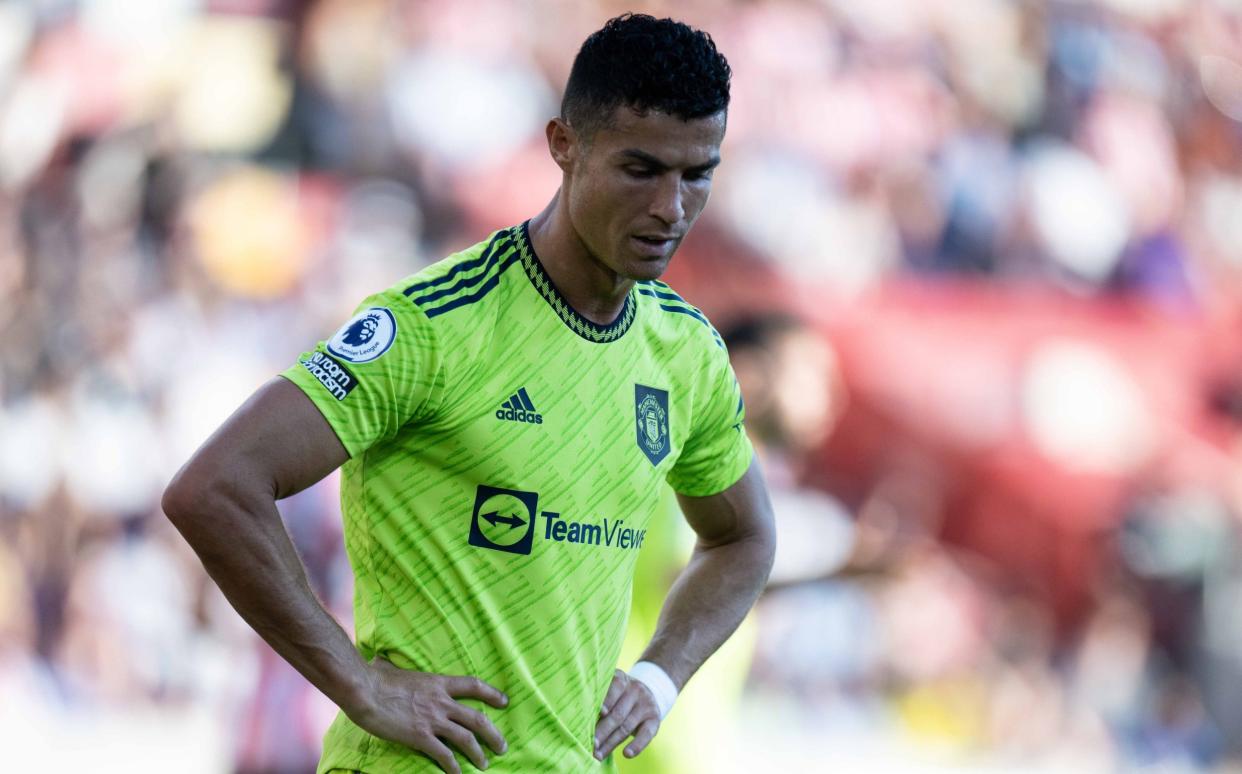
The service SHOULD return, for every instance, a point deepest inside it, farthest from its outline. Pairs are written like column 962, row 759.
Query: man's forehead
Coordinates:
column 674, row 141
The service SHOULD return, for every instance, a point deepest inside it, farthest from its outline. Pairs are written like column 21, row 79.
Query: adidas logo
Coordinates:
column 518, row 408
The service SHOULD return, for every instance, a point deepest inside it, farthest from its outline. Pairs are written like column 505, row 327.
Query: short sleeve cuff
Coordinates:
column 717, row 473
column 327, row 404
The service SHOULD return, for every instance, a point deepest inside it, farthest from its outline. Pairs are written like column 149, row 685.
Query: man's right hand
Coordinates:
column 419, row 709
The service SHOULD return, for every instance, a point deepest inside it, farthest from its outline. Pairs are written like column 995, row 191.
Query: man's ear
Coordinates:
column 563, row 144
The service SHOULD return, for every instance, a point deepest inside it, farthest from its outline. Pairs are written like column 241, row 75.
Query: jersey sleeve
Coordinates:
column 379, row 371
column 718, row 451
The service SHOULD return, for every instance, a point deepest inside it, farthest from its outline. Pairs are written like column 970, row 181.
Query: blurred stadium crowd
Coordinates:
column 979, row 263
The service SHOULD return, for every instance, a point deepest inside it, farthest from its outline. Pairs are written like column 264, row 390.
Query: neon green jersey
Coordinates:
column 506, row 458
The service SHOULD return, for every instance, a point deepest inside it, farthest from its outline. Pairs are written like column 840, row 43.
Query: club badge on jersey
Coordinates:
column 651, row 417
column 365, row 337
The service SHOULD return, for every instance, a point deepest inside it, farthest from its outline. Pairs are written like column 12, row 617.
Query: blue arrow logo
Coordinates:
column 513, row 520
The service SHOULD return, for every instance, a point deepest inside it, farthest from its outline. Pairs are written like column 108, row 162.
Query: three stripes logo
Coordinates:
column 518, row 408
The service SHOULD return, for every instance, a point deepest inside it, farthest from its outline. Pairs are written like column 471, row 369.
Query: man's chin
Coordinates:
column 647, row 268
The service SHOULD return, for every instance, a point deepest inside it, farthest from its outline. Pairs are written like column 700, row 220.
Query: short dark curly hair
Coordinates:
column 647, row 64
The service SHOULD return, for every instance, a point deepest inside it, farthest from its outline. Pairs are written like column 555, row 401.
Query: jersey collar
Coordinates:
column 580, row 325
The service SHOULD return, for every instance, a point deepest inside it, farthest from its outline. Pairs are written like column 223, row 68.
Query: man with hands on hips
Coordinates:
column 505, row 422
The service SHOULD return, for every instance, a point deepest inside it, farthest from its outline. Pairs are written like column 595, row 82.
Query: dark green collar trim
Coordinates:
column 591, row 331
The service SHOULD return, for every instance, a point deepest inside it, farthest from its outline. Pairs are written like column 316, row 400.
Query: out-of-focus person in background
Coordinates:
column 1013, row 224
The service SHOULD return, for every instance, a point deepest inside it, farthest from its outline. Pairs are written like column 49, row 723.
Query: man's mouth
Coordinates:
column 654, row 244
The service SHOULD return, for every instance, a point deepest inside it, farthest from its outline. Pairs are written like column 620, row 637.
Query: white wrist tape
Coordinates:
column 661, row 685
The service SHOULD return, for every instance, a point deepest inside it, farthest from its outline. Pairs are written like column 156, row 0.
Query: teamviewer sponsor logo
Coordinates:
column 519, row 408
column 610, row 534
column 504, row 520
column 331, row 374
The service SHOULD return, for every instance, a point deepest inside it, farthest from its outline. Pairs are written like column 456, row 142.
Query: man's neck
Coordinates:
column 593, row 290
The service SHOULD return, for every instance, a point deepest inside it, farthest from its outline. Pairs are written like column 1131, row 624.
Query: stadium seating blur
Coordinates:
column 979, row 263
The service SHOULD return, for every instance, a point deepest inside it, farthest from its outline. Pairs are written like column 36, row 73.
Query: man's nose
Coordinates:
column 667, row 203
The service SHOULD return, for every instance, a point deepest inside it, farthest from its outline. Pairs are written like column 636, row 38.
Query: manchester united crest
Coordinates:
column 651, row 417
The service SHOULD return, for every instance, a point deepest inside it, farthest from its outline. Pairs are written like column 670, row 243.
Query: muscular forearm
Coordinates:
column 238, row 534
column 224, row 502
column 707, row 603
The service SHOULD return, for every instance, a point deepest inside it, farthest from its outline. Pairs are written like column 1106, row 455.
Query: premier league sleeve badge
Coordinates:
column 366, row 336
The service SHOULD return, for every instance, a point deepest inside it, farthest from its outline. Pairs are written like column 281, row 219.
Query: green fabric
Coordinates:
column 507, row 458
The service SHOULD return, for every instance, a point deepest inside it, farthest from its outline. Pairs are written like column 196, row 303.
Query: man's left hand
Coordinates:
column 629, row 709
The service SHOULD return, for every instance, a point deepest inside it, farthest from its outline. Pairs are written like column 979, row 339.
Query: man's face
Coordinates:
column 635, row 187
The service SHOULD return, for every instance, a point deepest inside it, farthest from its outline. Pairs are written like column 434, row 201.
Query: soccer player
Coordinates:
column 505, row 421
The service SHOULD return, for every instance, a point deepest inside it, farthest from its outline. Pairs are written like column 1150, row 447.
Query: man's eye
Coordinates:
column 639, row 172
column 696, row 176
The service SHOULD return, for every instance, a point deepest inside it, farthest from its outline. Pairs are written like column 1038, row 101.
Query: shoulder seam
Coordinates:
column 427, row 408
column 671, row 302
column 501, row 255
column 436, row 302
column 493, row 279
column 460, row 267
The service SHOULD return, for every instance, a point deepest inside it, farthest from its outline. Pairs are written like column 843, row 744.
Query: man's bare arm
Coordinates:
column 732, row 558
column 223, row 501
